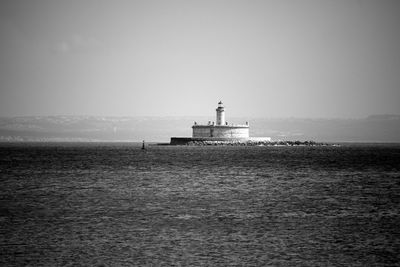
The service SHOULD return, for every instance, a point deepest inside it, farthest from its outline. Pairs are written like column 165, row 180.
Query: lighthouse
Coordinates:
column 220, row 114
column 220, row 131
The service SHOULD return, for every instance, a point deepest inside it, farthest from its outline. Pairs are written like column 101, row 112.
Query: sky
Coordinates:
column 310, row 58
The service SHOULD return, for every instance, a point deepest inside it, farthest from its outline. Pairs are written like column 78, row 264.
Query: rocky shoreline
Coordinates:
column 256, row 143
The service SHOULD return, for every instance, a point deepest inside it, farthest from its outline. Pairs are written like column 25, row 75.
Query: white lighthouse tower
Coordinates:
column 220, row 114
column 220, row 129
column 214, row 133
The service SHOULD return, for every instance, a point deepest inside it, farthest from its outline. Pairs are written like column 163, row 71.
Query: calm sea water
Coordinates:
column 116, row 205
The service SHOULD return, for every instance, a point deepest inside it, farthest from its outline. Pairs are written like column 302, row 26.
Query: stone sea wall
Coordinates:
column 239, row 142
column 254, row 143
column 220, row 131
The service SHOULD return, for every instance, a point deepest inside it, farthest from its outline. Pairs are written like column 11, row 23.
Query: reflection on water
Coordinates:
column 114, row 204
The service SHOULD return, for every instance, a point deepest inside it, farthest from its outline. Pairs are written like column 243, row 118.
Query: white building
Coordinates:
column 221, row 129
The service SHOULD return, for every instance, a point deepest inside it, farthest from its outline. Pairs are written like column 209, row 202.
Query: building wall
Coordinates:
column 201, row 132
column 220, row 131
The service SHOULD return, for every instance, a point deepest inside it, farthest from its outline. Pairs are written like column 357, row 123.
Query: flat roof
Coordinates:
column 221, row 126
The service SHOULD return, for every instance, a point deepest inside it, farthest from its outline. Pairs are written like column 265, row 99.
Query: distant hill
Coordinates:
column 376, row 128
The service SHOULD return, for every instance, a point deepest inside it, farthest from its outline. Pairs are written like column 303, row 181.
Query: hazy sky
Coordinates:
column 309, row 58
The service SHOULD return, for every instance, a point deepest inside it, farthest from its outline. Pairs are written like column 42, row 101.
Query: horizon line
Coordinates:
column 198, row 116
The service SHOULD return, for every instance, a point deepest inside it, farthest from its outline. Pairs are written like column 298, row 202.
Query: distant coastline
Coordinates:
column 374, row 129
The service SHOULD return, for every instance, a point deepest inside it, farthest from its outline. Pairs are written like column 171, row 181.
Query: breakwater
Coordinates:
column 252, row 143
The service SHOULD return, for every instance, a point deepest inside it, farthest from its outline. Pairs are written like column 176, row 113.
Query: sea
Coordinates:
column 114, row 204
